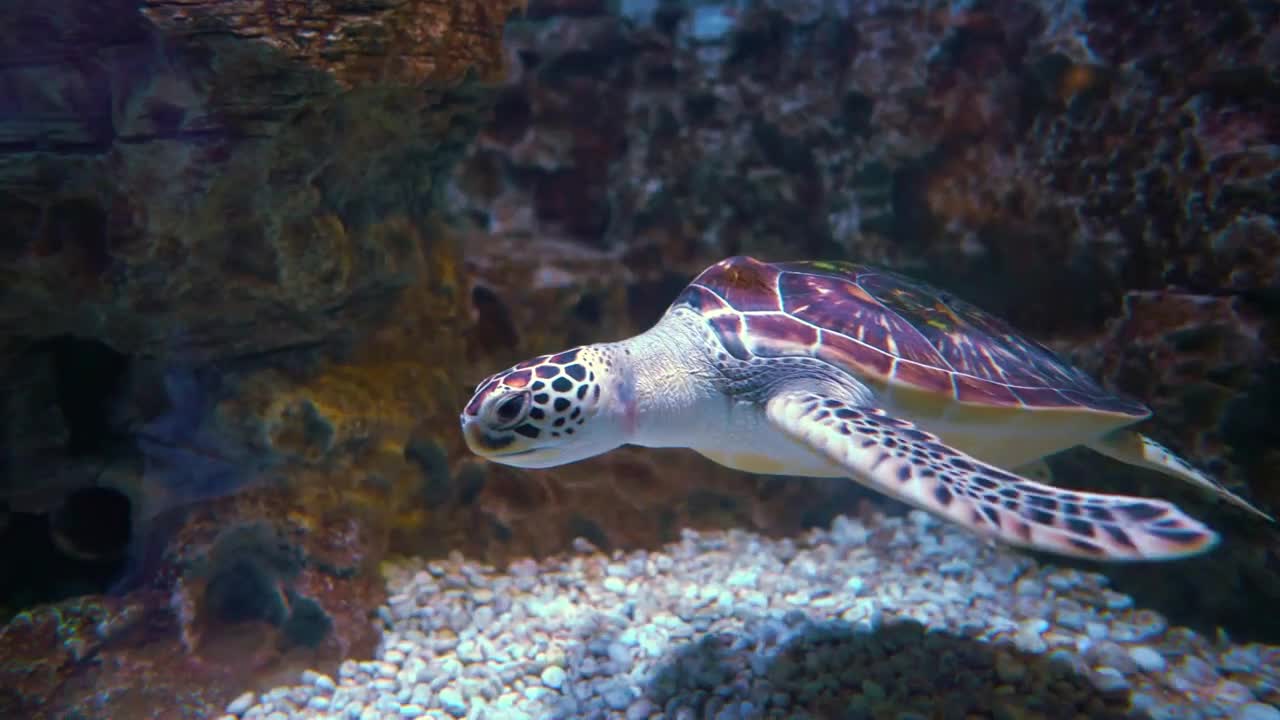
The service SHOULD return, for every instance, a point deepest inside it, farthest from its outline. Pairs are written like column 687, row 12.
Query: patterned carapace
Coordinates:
column 556, row 388
column 889, row 328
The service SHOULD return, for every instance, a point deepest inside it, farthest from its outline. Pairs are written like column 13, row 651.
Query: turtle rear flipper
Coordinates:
column 1037, row 470
column 897, row 458
column 1134, row 448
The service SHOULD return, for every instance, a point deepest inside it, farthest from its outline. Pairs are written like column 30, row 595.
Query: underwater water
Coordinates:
column 329, row 389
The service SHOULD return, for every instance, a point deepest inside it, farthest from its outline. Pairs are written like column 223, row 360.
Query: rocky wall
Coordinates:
column 225, row 300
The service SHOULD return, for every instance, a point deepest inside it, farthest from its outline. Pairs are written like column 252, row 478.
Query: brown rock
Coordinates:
column 212, row 184
column 208, row 180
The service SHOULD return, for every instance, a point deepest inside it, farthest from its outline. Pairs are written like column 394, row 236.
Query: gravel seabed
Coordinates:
column 907, row 618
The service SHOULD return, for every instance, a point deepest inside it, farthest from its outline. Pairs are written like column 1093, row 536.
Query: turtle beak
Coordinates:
column 472, row 433
column 480, row 441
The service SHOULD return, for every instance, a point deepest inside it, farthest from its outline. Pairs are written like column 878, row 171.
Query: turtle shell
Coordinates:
column 890, row 330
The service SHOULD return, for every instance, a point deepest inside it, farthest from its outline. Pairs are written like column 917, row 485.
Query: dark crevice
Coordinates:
column 77, row 543
column 89, row 377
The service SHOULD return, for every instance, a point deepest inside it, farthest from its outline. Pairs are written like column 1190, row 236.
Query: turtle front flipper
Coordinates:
column 1134, row 448
column 899, row 459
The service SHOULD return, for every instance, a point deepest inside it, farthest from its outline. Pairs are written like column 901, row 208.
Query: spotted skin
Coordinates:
column 887, row 327
column 896, row 457
column 555, row 394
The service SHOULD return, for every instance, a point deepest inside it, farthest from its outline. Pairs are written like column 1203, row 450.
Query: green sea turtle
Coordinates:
column 843, row 370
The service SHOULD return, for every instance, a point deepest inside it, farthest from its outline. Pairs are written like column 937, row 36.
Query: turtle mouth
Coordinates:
column 517, row 453
column 532, row 458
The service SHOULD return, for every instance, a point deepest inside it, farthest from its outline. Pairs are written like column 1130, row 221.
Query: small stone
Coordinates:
column 240, row 704
column 615, row 585
column 1063, row 579
column 652, row 641
column 1196, row 671
column 1256, row 711
column 483, row 617
column 619, row 655
column 1147, row 659
column 617, row 698
column 452, row 702
column 412, row 711
column 1109, row 679
column 1009, row 668
column 1028, row 638
column 1034, row 626
column 553, row 676
column 1029, row 587
column 445, row 640
column 743, row 578
column 1116, row 601
column 848, row 533
column 640, row 710
column 711, row 24
column 470, row 652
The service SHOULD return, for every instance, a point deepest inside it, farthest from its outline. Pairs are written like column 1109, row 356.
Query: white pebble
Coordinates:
column 452, row 702
column 1257, row 711
column 1109, row 679
column 1147, row 658
column 240, row 704
column 553, row 676
column 572, row 635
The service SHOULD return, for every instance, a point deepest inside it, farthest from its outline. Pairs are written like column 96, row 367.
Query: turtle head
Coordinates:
column 547, row 411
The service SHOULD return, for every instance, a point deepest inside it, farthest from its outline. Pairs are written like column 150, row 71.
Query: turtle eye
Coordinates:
column 509, row 410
